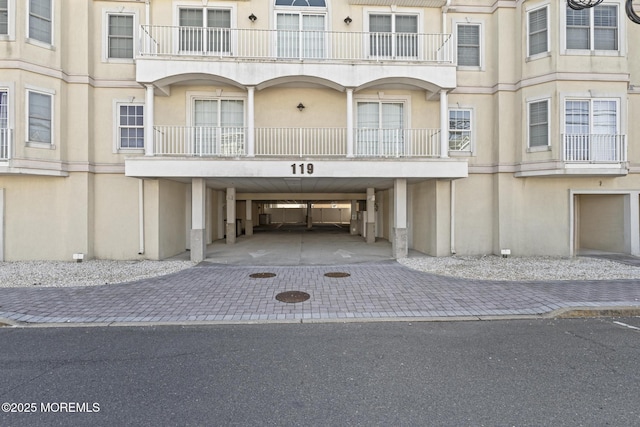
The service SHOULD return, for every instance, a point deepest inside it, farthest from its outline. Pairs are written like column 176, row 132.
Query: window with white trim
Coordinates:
column 538, row 123
column 301, row 31
column 393, row 35
column 591, row 129
column 381, row 129
column 538, row 31
column 4, row 17
column 460, row 130
column 39, row 117
column 593, row 28
column 205, row 30
column 120, row 36
column 468, row 45
column 4, row 124
column 218, row 126
column 130, row 126
column 41, row 21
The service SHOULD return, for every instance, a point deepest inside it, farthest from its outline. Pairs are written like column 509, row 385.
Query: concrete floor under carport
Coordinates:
column 295, row 244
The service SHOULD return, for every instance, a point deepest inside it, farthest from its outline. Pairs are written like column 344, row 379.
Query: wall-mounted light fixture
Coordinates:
column 347, row 20
column 253, row 18
column 300, row 106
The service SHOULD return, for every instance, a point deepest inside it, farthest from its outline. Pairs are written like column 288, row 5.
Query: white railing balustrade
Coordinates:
column 594, row 148
column 295, row 45
column 206, row 141
column 5, row 143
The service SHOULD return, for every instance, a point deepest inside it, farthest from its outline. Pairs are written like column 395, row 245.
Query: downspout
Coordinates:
column 147, row 12
column 445, row 9
column 453, row 217
column 141, row 215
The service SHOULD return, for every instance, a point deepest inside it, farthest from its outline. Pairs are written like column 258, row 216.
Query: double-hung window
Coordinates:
column 39, row 117
column 41, row 20
column 393, row 35
column 205, row 30
column 468, row 37
column 593, row 28
column 4, row 17
column 460, row 130
column 380, row 129
column 538, row 123
column 120, row 36
column 301, row 31
column 591, row 130
column 130, row 126
column 218, row 126
column 538, row 31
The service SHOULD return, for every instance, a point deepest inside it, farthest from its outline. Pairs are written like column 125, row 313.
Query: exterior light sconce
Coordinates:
column 300, row 106
column 253, row 18
column 347, row 20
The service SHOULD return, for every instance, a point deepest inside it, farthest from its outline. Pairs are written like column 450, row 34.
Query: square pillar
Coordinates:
column 231, row 216
column 198, row 221
column 148, row 121
column 399, row 245
column 370, row 221
column 353, row 226
column 248, row 227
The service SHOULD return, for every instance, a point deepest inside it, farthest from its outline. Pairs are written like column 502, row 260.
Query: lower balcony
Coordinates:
column 199, row 141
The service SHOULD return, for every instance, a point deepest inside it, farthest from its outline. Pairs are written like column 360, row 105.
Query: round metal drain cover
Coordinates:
column 337, row 274
column 262, row 275
column 292, row 296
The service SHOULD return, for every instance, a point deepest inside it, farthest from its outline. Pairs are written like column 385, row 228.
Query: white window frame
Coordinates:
column 53, row 26
column 480, row 25
column 394, row 11
column 547, row 147
column 591, row 100
column 10, row 35
column 51, row 94
column 382, row 98
column 529, row 11
column 471, row 150
column 9, row 88
column 106, row 13
column 178, row 5
column 622, row 28
column 117, row 147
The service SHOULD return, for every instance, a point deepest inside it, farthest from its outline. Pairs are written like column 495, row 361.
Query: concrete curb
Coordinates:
column 584, row 312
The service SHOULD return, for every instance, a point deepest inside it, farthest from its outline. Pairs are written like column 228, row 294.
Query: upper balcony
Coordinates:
column 167, row 51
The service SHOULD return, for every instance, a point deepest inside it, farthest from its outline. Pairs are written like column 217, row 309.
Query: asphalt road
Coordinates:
column 517, row 373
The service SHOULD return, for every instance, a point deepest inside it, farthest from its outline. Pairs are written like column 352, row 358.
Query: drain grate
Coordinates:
column 262, row 275
column 337, row 274
column 292, row 296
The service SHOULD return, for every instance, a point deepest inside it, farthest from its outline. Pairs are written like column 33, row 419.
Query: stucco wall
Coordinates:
column 172, row 218
column 601, row 222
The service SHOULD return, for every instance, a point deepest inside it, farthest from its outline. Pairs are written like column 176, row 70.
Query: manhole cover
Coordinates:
column 262, row 275
column 292, row 296
column 337, row 274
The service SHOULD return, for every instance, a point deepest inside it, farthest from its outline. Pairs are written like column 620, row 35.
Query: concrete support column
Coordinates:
column 350, row 131
column 148, row 122
column 399, row 245
column 1, row 224
column 444, row 125
column 371, row 216
column 248, row 227
column 220, row 231
column 309, row 216
column 251, row 130
column 231, row 215
column 198, row 219
column 353, row 229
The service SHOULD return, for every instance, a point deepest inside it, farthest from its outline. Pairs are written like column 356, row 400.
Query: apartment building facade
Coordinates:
column 138, row 129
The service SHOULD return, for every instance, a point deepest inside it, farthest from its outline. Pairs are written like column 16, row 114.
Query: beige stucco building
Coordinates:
column 138, row 129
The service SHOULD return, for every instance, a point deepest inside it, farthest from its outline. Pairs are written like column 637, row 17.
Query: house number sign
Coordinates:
column 302, row 168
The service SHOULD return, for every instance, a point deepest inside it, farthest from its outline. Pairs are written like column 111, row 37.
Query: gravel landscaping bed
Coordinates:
column 493, row 267
column 86, row 273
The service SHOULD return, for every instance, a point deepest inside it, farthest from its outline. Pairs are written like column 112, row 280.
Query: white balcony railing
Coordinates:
column 294, row 142
column 594, row 148
column 5, row 143
column 295, row 45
